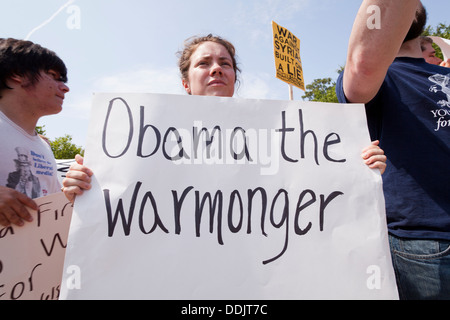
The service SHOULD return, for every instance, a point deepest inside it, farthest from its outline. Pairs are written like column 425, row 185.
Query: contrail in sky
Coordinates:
column 49, row 19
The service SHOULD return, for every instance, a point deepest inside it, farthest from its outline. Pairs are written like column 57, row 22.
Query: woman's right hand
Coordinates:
column 77, row 179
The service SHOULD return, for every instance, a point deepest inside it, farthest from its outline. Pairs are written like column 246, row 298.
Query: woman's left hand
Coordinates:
column 374, row 157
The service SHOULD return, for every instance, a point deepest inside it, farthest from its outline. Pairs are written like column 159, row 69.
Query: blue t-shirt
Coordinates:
column 411, row 117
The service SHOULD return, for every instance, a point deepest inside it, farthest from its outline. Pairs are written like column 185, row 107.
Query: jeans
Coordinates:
column 422, row 268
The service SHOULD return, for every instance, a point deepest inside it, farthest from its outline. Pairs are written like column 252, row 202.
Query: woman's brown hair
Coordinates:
column 193, row 43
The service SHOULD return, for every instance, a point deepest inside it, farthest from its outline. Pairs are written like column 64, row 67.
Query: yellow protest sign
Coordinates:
column 287, row 56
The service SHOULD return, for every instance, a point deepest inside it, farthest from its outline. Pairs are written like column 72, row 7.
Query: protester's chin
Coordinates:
column 220, row 92
column 55, row 110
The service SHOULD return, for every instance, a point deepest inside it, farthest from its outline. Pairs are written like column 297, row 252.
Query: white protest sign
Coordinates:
column 32, row 256
column 220, row 198
column 63, row 166
column 444, row 44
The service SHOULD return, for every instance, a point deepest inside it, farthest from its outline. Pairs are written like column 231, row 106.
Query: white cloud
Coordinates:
column 254, row 86
column 153, row 80
column 140, row 80
column 256, row 16
column 146, row 79
column 264, row 11
column 168, row 81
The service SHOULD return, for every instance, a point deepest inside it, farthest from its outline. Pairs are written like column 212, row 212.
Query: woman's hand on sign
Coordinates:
column 77, row 179
column 374, row 157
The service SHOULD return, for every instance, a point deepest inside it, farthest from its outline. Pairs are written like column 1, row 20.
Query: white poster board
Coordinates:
column 220, row 198
column 444, row 44
column 32, row 256
column 63, row 166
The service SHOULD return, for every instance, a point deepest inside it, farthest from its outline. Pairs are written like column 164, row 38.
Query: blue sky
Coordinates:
column 130, row 46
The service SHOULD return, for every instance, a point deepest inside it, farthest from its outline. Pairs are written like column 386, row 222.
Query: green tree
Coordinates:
column 63, row 148
column 40, row 130
column 322, row 90
column 442, row 31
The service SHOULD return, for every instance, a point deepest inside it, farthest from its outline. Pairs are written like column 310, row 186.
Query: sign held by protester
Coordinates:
column 444, row 44
column 63, row 166
column 287, row 56
column 32, row 256
column 262, row 199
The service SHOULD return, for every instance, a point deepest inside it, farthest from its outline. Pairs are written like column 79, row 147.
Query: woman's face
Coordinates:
column 211, row 72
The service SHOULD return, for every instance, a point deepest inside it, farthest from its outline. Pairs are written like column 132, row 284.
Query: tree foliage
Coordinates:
column 63, row 148
column 40, row 130
column 322, row 90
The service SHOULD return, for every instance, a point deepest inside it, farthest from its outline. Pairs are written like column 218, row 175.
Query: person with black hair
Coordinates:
column 32, row 85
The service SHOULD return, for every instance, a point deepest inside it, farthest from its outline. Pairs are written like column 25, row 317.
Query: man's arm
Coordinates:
column 372, row 51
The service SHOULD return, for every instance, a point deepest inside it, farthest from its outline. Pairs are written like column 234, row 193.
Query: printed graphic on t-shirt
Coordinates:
column 29, row 166
column 442, row 115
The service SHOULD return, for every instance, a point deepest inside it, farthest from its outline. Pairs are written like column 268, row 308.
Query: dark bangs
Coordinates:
column 25, row 58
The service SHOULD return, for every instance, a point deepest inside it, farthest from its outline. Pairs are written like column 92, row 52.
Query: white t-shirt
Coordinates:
column 27, row 163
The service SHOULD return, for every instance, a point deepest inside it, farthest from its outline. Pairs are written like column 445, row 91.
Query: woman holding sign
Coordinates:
column 208, row 67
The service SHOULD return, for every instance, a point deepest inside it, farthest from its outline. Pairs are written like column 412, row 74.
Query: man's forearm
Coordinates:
column 372, row 50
